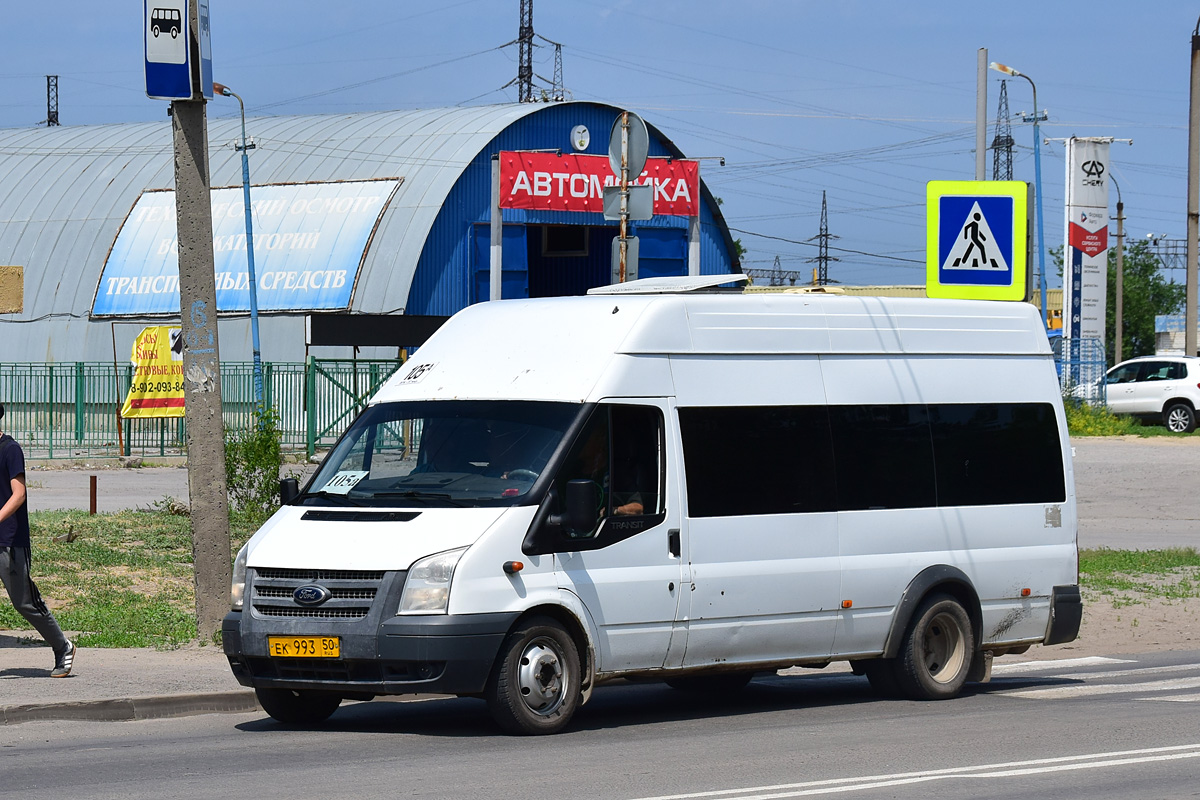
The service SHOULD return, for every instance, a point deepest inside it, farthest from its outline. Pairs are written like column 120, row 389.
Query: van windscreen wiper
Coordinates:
column 413, row 494
column 324, row 495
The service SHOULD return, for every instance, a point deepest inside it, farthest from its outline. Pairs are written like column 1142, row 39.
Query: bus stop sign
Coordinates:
column 172, row 71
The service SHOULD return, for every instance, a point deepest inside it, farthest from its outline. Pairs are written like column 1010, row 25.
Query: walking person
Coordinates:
column 14, row 554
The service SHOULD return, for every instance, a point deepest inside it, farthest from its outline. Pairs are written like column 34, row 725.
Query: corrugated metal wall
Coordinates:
column 444, row 278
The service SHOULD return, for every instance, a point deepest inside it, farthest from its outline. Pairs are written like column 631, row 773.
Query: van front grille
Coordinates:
column 312, row 613
column 351, row 593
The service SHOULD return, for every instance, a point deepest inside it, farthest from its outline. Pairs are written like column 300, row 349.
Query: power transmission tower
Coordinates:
column 776, row 275
column 1002, row 144
column 525, row 53
column 558, row 93
column 823, row 258
column 51, row 101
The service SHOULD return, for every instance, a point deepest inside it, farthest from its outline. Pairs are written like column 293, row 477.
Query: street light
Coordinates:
column 225, row 91
column 1037, row 176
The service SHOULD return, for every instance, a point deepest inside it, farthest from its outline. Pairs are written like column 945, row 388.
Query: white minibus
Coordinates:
column 686, row 486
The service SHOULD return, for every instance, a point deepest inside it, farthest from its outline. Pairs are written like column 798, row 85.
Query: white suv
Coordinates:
column 1165, row 388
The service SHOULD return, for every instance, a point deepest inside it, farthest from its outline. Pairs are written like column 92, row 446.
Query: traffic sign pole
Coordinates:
column 624, row 194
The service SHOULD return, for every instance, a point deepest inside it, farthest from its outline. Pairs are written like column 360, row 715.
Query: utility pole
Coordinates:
column 981, row 114
column 207, row 489
column 1119, row 321
column 51, row 101
column 1002, row 142
column 1193, row 198
column 823, row 258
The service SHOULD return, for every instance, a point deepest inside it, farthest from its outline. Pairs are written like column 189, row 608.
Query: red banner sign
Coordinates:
column 570, row 182
column 1091, row 242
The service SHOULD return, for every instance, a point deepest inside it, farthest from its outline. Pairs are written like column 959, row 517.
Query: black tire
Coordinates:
column 1179, row 418
column 936, row 654
column 534, row 688
column 720, row 683
column 298, row 707
column 881, row 672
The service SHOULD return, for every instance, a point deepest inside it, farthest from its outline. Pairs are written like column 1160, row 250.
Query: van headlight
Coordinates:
column 427, row 587
column 237, row 590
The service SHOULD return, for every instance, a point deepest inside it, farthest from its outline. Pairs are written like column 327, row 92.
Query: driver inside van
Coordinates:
column 593, row 464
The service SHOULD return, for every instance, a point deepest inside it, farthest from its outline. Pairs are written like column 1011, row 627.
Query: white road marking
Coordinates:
column 1060, row 692
column 1125, row 673
column 986, row 771
column 1178, row 698
column 1038, row 666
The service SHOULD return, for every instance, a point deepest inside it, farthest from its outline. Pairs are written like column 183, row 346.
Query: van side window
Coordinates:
column 883, row 456
column 760, row 460
column 620, row 450
column 798, row 459
column 994, row 453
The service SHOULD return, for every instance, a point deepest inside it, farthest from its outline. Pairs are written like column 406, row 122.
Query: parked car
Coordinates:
column 1165, row 388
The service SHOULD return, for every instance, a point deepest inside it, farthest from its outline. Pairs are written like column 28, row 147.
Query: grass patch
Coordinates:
column 1084, row 419
column 121, row 579
column 1136, row 576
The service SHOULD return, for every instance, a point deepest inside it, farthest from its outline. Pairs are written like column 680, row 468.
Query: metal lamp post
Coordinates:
column 245, row 146
column 1037, row 176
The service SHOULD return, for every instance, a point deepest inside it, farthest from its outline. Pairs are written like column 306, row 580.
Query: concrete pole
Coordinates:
column 211, row 554
column 1193, row 198
column 981, row 116
column 496, row 251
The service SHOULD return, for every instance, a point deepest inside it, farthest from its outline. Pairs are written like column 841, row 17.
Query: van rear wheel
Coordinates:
column 936, row 655
column 298, row 707
column 535, row 686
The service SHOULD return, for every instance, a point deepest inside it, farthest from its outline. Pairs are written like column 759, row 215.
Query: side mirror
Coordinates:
column 289, row 490
column 581, row 517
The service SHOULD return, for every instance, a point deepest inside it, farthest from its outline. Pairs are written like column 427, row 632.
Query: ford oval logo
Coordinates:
column 311, row 595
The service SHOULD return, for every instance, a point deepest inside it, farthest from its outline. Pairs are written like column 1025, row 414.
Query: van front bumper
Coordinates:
column 438, row 654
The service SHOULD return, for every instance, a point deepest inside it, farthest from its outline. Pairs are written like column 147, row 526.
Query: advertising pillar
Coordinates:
column 1085, row 268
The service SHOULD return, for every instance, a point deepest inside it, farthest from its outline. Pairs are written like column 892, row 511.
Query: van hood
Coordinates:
column 349, row 538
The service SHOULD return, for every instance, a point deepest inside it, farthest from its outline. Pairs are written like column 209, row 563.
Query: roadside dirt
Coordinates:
column 1149, row 626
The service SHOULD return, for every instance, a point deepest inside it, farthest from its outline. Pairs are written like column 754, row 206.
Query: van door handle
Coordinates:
column 673, row 542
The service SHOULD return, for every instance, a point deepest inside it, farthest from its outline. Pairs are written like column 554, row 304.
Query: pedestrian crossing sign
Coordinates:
column 976, row 239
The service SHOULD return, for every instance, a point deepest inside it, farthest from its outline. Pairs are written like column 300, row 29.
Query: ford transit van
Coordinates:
column 683, row 486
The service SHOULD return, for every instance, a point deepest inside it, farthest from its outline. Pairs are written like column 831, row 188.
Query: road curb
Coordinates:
column 132, row 708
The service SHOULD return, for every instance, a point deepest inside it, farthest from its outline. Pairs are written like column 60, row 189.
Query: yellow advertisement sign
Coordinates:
column 157, row 389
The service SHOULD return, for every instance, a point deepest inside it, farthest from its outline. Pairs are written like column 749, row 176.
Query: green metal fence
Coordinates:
column 71, row 410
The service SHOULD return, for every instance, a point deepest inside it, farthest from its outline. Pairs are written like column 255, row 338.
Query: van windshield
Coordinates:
column 453, row 453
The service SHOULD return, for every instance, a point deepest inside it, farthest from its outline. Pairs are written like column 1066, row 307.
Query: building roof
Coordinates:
column 65, row 192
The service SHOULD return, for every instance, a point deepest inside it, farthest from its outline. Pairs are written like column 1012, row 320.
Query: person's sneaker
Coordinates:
column 64, row 661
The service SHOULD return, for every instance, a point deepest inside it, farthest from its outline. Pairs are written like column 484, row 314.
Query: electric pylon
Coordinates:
column 1002, row 143
column 823, row 258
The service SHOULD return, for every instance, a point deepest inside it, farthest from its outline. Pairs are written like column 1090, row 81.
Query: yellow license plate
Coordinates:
column 304, row 646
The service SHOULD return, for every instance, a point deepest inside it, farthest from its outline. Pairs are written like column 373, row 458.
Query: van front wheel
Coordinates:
column 534, row 687
column 936, row 655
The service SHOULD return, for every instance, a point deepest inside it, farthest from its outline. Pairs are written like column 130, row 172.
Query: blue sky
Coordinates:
column 866, row 101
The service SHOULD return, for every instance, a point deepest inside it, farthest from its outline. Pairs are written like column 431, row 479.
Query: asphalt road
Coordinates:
column 1138, row 494
column 1090, row 729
